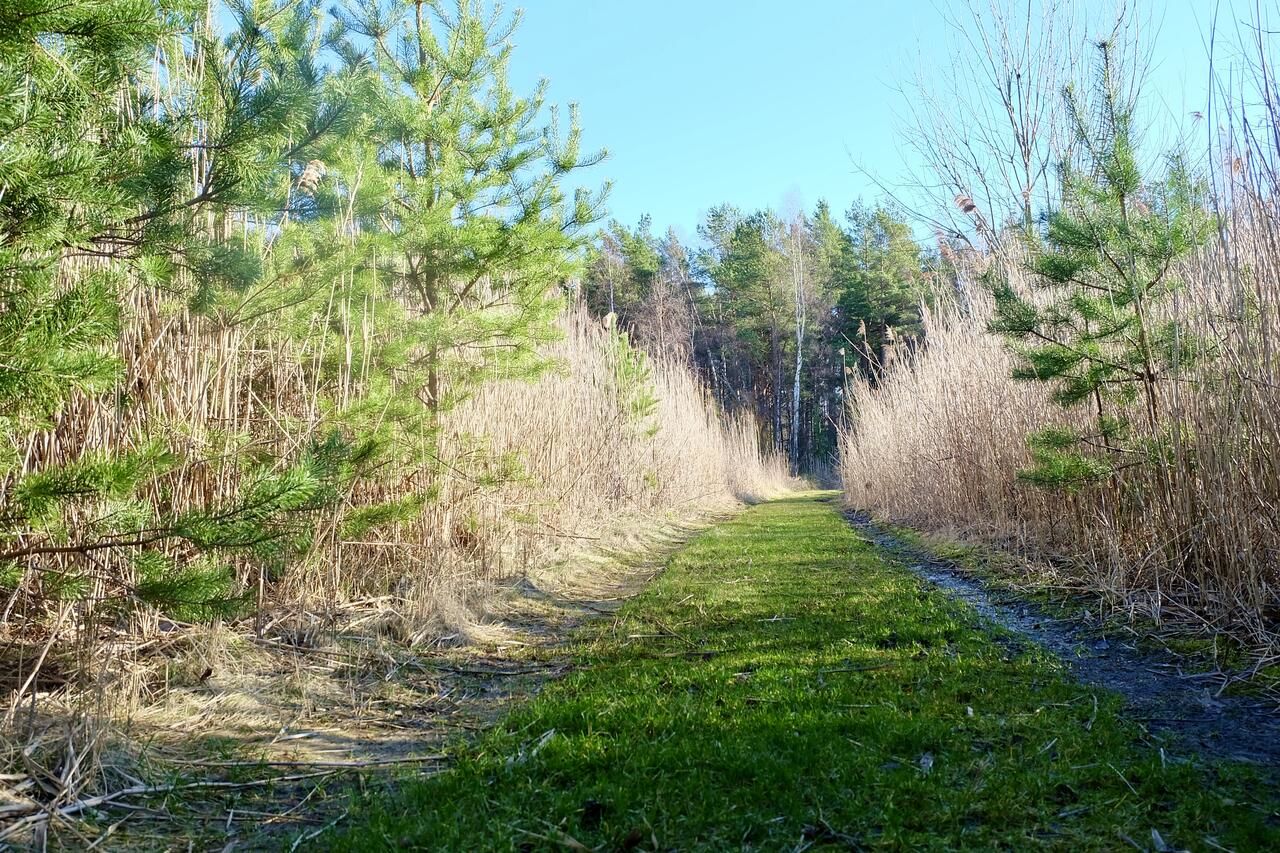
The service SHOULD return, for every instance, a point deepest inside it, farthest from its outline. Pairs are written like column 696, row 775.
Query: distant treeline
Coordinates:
column 775, row 312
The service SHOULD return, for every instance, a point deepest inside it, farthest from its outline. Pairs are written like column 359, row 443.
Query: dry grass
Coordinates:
column 573, row 474
column 1194, row 540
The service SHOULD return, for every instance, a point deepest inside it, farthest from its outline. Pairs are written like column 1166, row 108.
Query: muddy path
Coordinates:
column 1186, row 712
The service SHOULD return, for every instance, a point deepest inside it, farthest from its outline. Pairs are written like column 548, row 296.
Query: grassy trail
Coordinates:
column 785, row 686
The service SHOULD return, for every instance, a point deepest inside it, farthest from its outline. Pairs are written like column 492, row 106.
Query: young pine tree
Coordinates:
column 457, row 194
column 65, row 157
column 117, row 173
column 1108, row 261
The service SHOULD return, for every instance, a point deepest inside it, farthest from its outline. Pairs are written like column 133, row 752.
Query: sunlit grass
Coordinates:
column 782, row 683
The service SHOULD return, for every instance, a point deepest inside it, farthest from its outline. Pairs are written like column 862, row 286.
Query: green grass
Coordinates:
column 783, row 684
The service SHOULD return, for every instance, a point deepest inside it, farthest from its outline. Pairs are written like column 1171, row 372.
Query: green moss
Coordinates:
column 784, row 684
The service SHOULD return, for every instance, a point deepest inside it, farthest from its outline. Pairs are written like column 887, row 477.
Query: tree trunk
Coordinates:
column 797, row 276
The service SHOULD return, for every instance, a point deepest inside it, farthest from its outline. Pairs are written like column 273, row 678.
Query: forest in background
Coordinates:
column 773, row 312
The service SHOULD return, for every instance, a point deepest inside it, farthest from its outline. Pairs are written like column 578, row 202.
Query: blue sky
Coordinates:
column 765, row 103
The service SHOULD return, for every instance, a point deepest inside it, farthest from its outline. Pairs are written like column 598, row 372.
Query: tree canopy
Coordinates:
column 764, row 300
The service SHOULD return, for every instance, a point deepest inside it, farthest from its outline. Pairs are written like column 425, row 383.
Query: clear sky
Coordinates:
column 763, row 103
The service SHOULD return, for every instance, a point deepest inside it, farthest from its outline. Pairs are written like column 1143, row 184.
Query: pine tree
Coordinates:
column 621, row 269
column 457, row 192
column 825, row 385
column 62, row 66
column 1109, row 258
column 105, row 186
column 881, row 276
column 753, row 284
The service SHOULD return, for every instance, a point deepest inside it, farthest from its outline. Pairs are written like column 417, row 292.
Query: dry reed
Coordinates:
column 530, row 473
column 1196, row 539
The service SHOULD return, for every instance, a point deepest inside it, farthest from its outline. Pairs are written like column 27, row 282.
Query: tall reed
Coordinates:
column 1194, row 537
column 526, row 470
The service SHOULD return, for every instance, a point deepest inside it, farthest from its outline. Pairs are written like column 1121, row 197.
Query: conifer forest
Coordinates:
column 390, row 459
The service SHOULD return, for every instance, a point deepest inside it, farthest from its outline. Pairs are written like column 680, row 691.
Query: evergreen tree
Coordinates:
column 622, row 267
column 67, row 179
column 457, row 193
column 1108, row 260
column 106, row 186
column 223, row 177
column 752, row 278
column 825, row 376
column 881, row 282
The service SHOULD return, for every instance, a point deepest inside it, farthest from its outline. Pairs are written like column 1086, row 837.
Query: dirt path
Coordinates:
column 1158, row 694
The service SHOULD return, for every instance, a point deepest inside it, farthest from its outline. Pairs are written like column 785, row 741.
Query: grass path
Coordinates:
column 785, row 686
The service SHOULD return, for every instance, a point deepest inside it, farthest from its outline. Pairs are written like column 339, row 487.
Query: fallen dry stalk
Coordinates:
column 39, row 814
column 36, row 813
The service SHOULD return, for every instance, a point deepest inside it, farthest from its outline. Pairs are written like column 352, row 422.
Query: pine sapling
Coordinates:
column 1106, row 264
